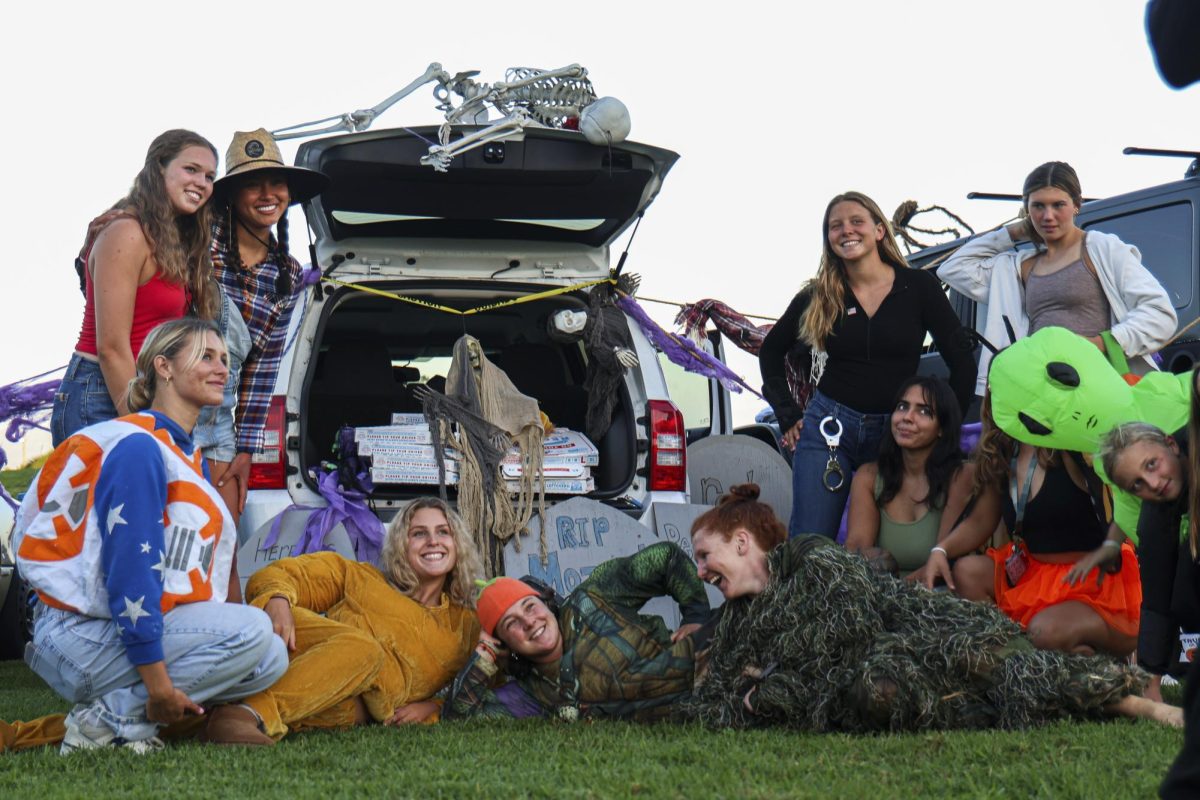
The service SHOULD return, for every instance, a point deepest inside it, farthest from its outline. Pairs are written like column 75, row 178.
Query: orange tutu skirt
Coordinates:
column 1118, row 600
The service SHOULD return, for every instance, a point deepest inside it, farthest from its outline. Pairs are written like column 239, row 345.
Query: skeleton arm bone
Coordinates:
column 361, row 120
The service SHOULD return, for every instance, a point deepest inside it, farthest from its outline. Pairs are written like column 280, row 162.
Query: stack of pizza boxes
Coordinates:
column 403, row 453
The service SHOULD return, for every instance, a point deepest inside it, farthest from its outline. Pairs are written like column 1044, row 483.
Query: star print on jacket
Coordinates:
column 133, row 610
column 114, row 518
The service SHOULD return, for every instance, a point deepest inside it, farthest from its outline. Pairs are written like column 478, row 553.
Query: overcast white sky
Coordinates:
column 774, row 108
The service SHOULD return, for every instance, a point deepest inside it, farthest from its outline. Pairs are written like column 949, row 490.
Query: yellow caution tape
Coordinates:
column 528, row 298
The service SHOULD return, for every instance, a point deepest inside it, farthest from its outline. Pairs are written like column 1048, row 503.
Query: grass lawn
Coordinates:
column 553, row 760
column 17, row 480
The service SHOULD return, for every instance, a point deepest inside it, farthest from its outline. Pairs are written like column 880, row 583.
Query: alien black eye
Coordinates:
column 1063, row 373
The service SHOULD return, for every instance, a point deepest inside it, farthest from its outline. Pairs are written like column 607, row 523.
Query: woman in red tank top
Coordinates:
column 146, row 261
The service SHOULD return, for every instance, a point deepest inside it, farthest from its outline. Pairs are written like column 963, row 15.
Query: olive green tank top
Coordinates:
column 908, row 542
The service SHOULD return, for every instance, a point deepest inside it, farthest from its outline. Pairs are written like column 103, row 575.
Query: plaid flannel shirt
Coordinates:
column 267, row 316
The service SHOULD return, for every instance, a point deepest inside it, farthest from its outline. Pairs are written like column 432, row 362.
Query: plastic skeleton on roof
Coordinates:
column 556, row 98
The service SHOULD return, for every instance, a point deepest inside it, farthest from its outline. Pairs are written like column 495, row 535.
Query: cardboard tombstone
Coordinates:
column 580, row 534
column 253, row 555
column 1056, row 389
column 716, row 463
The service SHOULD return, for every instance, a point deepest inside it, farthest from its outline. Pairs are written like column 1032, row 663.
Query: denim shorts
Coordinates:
column 82, row 399
column 214, row 432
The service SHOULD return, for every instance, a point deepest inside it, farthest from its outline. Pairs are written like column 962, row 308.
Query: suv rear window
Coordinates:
column 1164, row 237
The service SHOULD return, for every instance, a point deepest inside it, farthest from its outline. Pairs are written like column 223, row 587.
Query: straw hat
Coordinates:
column 254, row 150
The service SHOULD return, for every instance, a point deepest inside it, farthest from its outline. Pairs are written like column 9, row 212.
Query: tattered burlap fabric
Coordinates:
column 491, row 415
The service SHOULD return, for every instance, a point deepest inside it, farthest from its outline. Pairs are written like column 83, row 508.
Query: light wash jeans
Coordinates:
column 214, row 432
column 214, row 652
column 82, row 399
column 815, row 509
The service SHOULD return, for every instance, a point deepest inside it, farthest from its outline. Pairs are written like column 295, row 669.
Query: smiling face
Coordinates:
column 202, row 381
column 914, row 421
column 852, row 232
column 530, row 630
column 736, row 567
column 1052, row 212
column 1150, row 471
column 188, row 179
column 430, row 549
column 261, row 199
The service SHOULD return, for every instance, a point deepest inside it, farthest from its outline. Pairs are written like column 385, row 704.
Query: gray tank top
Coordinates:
column 1070, row 298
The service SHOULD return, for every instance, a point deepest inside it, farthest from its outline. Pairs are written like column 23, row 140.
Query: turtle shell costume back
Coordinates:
column 830, row 645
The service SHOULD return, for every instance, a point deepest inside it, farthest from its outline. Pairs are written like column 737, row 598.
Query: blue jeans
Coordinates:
column 82, row 400
column 815, row 509
column 214, row 432
column 216, row 652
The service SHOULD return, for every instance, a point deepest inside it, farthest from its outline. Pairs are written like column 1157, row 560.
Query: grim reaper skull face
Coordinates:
column 570, row 322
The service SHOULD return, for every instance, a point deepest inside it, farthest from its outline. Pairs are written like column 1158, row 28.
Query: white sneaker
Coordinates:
column 83, row 735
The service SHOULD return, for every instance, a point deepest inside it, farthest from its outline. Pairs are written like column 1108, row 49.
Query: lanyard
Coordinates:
column 1020, row 501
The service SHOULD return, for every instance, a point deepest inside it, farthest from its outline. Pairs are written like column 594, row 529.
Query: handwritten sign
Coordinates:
column 254, row 554
column 580, row 534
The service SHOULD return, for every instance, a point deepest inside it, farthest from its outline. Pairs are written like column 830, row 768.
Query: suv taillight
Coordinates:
column 668, row 440
column 268, row 469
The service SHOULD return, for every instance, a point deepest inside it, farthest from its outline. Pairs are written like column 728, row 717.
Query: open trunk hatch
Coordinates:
column 549, row 186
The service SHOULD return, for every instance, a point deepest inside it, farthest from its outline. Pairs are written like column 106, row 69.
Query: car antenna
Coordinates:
column 1193, row 169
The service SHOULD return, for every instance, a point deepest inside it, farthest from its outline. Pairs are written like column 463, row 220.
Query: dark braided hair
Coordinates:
column 283, row 279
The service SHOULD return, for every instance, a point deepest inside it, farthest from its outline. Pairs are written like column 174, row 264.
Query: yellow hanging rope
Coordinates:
column 528, row 298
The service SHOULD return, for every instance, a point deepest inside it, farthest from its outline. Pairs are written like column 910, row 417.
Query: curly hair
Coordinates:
column 828, row 286
column 460, row 583
column 179, row 242
column 740, row 509
column 945, row 458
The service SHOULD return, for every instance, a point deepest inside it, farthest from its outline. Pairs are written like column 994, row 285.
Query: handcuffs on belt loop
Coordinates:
column 833, row 479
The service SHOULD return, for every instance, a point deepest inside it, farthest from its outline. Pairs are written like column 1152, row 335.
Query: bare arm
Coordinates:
column 862, row 527
column 119, row 264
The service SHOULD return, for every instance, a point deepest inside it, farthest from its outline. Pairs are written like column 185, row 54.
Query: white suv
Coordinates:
column 508, row 219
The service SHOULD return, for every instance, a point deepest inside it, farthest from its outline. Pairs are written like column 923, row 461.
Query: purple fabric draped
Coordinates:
column 26, row 406
column 971, row 432
column 518, row 702
column 346, row 506
column 683, row 352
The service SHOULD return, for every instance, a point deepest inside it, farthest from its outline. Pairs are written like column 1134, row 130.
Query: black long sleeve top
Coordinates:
column 869, row 357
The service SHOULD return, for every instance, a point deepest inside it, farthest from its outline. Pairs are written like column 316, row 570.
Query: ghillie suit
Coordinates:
column 481, row 415
column 831, row 646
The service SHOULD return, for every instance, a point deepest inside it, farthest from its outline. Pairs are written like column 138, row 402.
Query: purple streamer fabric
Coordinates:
column 347, row 507
column 682, row 351
column 969, row 438
column 24, row 407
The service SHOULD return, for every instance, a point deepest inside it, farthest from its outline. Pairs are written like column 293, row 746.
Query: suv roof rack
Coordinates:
column 1003, row 196
column 1193, row 169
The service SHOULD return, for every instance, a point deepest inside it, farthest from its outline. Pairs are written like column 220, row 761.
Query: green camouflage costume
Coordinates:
column 616, row 662
column 842, row 648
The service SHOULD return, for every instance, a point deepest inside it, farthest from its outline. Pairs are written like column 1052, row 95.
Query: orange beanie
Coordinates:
column 497, row 596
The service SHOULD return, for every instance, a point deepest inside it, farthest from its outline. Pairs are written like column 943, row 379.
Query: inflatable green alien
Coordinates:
column 1056, row 389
